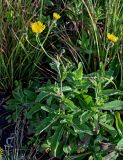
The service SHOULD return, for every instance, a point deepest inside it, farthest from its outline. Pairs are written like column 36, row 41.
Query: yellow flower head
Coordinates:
column 38, row 27
column 56, row 16
column 112, row 37
column 1, row 152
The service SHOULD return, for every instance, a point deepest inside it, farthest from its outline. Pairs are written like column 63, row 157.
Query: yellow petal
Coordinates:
column 38, row 27
column 112, row 37
column 56, row 16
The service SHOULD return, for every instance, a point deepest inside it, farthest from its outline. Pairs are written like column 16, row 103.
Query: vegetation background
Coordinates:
column 61, row 79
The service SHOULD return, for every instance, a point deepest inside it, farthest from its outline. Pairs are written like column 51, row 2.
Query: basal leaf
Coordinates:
column 110, row 92
column 119, row 124
column 29, row 94
column 35, row 108
column 111, row 156
column 113, row 105
column 45, row 123
column 42, row 95
column 55, row 141
column 18, row 94
column 120, row 144
column 82, row 129
column 109, row 128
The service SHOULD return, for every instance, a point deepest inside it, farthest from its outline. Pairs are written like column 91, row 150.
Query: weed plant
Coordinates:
column 77, row 112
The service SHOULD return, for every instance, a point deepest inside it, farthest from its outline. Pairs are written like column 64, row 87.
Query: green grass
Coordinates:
column 80, row 34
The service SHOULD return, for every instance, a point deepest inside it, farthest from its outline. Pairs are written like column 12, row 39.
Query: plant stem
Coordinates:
column 51, row 26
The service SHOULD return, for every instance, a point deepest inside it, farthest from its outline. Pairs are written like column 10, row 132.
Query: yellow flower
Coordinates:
column 56, row 16
column 38, row 27
column 112, row 37
column 1, row 152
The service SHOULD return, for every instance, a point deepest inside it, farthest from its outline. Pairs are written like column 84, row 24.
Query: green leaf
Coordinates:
column 47, row 109
column 69, row 104
column 120, row 144
column 112, row 156
column 67, row 149
column 77, row 157
column 55, row 141
column 82, row 129
column 109, row 128
column 12, row 104
column 42, row 95
column 49, row 100
column 86, row 116
column 46, row 123
column 55, row 65
column 30, row 94
column 87, row 98
column 18, row 94
column 67, row 119
column 64, row 73
column 113, row 105
column 35, row 108
column 119, row 124
column 66, row 89
column 78, row 73
column 110, row 92
column 107, row 118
